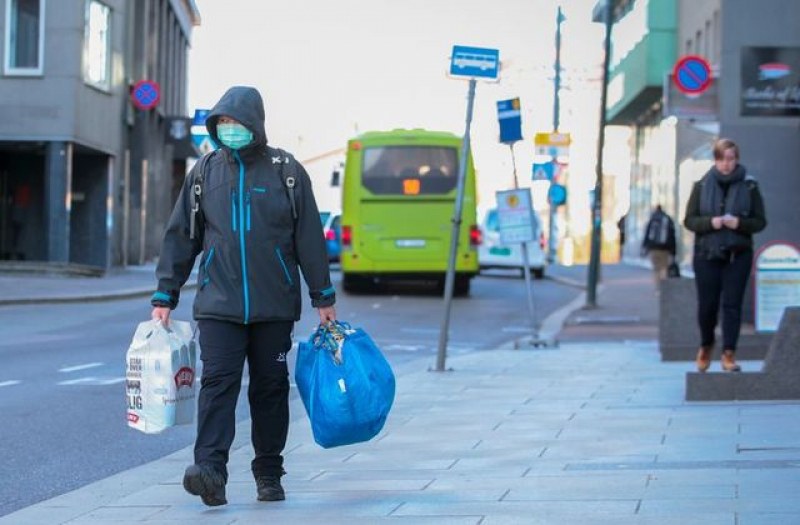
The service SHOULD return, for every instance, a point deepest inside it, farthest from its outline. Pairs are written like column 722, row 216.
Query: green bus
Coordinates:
column 399, row 195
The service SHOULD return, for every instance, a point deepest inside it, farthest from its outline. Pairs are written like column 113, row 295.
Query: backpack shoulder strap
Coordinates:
column 288, row 171
column 197, row 193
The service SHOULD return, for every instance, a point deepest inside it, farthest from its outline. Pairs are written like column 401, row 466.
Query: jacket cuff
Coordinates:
column 326, row 297
column 163, row 299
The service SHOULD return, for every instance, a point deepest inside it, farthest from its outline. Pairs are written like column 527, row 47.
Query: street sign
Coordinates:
column 704, row 106
column 515, row 216
column 146, row 94
column 692, row 74
column 557, row 194
column 552, row 144
column 509, row 116
column 777, row 283
column 544, row 171
column 475, row 62
column 200, row 116
column 204, row 143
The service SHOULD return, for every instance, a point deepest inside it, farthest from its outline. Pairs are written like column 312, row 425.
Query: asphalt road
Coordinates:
column 62, row 397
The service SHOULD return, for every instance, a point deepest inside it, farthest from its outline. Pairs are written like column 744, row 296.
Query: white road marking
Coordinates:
column 10, row 383
column 405, row 348
column 515, row 329
column 80, row 367
column 421, row 330
column 97, row 381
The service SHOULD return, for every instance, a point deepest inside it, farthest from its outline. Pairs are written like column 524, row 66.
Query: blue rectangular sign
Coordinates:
column 475, row 62
column 509, row 115
column 544, row 171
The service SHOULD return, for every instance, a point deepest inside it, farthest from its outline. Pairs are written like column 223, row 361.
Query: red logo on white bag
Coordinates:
column 133, row 418
column 184, row 377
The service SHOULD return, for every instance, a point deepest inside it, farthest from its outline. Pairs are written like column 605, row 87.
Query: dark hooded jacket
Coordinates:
column 253, row 247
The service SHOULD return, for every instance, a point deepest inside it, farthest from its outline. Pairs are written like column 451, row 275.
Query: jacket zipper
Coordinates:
column 206, row 265
column 247, row 201
column 242, row 245
column 283, row 265
column 234, row 210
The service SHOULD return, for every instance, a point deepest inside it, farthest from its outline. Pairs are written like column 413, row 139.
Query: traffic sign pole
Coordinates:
column 526, row 268
column 441, row 354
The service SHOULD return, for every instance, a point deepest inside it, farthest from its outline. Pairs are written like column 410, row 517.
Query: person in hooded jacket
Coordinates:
column 256, row 227
column 724, row 210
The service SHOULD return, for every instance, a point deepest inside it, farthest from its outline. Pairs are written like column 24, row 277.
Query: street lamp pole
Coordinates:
column 597, row 205
column 552, row 243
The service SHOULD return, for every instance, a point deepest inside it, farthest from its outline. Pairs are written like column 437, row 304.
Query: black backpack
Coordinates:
column 288, row 171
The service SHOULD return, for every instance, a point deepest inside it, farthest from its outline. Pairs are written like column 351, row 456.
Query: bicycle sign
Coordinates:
column 475, row 62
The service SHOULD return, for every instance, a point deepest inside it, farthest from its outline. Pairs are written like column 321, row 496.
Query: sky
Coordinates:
column 329, row 70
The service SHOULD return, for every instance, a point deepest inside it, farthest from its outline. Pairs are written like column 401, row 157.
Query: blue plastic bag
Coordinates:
column 346, row 385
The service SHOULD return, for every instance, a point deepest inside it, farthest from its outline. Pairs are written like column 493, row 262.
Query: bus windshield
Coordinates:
column 410, row 170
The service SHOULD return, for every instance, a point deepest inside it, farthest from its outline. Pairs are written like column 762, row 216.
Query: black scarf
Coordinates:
column 725, row 193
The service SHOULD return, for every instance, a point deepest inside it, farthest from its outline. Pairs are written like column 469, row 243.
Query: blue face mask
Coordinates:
column 234, row 136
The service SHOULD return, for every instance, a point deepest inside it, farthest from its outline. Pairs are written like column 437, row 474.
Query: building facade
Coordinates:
column 86, row 175
column 753, row 49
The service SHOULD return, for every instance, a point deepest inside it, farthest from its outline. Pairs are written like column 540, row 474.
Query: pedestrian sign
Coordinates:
column 475, row 62
column 544, row 171
column 204, row 143
column 509, row 116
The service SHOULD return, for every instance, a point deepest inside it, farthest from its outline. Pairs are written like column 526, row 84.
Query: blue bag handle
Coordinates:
column 324, row 337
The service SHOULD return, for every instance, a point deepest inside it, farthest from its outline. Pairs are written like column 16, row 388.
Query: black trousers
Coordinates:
column 223, row 349
column 725, row 278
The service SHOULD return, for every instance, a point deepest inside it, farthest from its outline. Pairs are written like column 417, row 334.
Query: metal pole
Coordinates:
column 451, row 265
column 526, row 265
column 552, row 242
column 597, row 206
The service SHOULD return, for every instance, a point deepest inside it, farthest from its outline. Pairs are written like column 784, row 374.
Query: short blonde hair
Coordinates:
column 725, row 144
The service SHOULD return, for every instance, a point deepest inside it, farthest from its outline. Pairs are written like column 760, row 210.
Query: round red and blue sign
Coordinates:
column 692, row 74
column 146, row 94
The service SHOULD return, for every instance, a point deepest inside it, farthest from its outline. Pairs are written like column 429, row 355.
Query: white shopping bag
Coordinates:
column 160, row 376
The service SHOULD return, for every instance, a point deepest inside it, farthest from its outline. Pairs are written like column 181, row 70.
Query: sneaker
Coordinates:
column 206, row 482
column 270, row 489
column 729, row 362
column 703, row 359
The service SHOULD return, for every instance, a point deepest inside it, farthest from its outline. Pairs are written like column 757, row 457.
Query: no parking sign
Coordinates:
column 146, row 94
column 692, row 74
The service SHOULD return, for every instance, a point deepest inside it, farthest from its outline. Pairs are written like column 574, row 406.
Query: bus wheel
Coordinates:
column 461, row 287
column 353, row 284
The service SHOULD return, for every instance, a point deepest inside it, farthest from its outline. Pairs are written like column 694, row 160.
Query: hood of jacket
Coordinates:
column 245, row 105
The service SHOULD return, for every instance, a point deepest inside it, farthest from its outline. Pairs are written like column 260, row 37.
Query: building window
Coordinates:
column 97, row 44
column 24, row 43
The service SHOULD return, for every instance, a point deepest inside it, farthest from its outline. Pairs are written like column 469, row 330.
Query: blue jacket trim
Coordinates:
column 161, row 296
column 242, row 246
column 328, row 291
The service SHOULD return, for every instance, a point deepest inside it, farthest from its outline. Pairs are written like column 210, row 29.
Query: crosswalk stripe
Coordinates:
column 10, row 383
column 79, row 367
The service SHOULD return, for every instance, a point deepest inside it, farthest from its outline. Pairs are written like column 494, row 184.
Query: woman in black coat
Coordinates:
column 724, row 210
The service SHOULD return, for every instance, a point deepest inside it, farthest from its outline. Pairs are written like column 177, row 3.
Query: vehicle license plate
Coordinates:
column 410, row 243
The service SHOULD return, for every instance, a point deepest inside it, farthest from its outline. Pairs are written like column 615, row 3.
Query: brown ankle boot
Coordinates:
column 729, row 362
column 703, row 359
